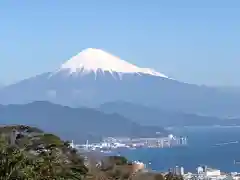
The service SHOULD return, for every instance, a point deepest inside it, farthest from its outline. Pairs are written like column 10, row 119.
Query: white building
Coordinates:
column 212, row 172
column 199, row 170
column 235, row 176
column 182, row 171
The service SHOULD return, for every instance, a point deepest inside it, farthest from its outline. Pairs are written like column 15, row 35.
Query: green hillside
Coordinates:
column 28, row 153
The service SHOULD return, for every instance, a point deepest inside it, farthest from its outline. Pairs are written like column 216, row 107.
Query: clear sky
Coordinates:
column 196, row 41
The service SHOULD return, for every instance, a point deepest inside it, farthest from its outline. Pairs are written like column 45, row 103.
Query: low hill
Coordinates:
column 29, row 153
column 152, row 116
column 78, row 124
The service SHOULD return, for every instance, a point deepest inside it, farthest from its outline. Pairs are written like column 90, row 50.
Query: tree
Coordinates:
column 171, row 176
column 43, row 158
column 53, row 164
column 14, row 163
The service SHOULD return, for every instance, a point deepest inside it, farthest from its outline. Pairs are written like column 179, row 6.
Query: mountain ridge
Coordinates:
column 157, row 117
column 92, row 90
column 79, row 124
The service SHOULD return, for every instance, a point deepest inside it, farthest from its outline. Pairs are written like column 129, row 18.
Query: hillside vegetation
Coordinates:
column 27, row 153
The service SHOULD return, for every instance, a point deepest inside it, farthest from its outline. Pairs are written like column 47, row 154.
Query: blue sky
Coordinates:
column 192, row 41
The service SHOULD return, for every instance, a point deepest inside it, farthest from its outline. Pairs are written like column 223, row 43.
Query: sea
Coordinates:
column 215, row 147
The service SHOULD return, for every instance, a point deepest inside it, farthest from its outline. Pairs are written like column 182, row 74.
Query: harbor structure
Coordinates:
column 111, row 143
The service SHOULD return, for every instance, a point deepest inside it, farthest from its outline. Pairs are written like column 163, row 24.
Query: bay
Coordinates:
column 215, row 147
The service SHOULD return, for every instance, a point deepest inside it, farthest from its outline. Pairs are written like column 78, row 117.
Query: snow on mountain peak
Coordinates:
column 94, row 60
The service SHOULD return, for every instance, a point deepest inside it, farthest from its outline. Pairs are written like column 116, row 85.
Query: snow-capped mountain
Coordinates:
column 94, row 76
column 97, row 61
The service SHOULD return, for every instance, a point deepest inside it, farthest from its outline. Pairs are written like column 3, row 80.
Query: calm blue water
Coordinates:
column 201, row 150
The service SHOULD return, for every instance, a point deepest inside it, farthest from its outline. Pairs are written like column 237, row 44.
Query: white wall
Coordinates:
column 213, row 173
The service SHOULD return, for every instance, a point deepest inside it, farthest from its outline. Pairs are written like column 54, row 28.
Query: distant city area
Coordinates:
column 110, row 143
column 204, row 173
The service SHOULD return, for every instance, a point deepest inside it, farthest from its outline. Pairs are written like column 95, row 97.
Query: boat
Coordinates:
column 236, row 162
column 226, row 143
column 106, row 151
column 132, row 148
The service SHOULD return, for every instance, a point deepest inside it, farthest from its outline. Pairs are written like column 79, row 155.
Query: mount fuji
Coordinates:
column 98, row 62
column 94, row 77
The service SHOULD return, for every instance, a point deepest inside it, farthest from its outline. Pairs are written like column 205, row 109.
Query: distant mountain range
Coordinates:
column 94, row 77
column 74, row 123
column 156, row 117
column 230, row 89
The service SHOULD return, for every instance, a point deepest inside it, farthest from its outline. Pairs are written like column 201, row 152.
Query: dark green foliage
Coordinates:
column 171, row 176
column 38, row 157
column 118, row 160
column 108, row 163
column 51, row 139
column 20, row 128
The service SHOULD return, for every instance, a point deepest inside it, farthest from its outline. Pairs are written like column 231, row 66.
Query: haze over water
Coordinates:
column 202, row 150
